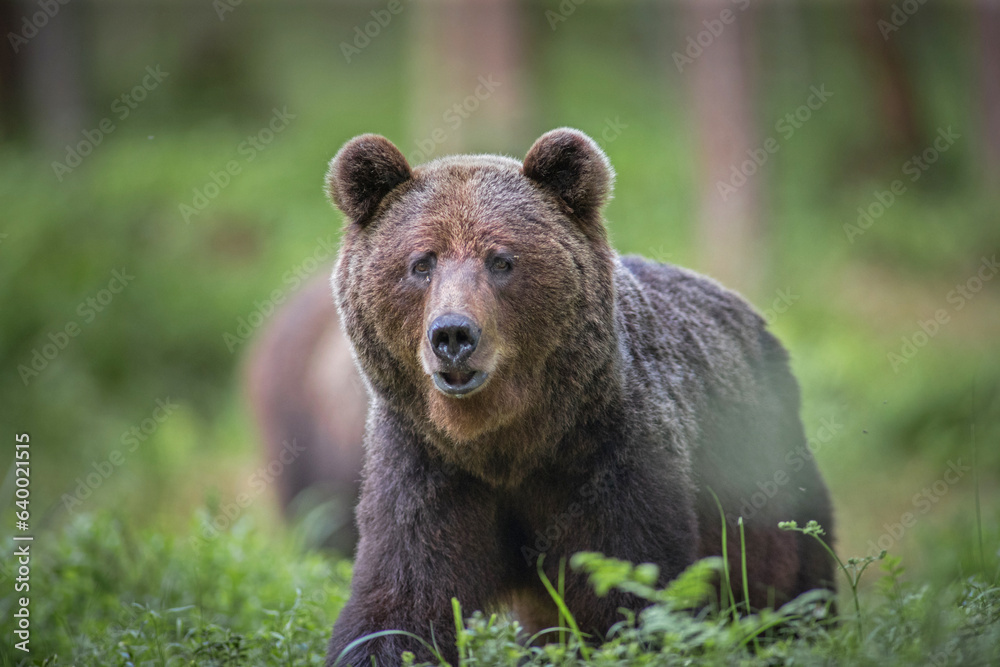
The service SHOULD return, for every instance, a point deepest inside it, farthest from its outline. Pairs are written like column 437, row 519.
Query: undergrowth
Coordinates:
column 102, row 594
column 105, row 595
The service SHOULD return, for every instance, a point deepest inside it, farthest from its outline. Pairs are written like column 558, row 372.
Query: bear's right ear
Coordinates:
column 363, row 172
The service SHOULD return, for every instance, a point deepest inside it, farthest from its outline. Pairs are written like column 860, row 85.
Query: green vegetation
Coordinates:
column 116, row 579
column 103, row 594
column 107, row 595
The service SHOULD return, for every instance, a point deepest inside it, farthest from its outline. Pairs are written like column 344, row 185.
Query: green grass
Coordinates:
column 104, row 594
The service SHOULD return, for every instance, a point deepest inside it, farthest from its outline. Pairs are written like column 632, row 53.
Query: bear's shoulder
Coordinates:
column 683, row 291
column 676, row 314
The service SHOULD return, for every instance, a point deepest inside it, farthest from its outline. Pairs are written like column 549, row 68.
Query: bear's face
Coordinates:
column 460, row 280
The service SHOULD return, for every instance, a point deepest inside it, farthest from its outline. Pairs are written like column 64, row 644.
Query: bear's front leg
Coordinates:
column 641, row 511
column 426, row 536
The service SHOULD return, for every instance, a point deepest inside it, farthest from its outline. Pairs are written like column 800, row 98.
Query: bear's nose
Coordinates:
column 453, row 338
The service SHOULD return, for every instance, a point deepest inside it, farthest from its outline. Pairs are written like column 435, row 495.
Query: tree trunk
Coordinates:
column 730, row 238
column 467, row 77
column 988, row 19
column 896, row 104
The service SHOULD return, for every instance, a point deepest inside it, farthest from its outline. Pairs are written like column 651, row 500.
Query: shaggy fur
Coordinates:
column 619, row 393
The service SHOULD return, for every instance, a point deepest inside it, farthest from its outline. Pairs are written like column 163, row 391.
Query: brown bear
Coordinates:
column 305, row 394
column 533, row 392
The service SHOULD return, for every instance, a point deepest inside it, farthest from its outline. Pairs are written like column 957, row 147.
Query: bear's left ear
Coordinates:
column 572, row 166
column 363, row 172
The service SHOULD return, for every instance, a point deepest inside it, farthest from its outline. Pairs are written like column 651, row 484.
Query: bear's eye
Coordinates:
column 422, row 267
column 501, row 264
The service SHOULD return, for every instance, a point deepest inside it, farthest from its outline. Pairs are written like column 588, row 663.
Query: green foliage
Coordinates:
column 852, row 569
column 688, row 590
column 104, row 594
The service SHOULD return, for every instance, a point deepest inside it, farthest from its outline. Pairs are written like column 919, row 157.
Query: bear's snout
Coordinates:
column 454, row 338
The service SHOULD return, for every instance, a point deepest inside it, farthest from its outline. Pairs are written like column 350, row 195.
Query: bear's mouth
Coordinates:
column 459, row 384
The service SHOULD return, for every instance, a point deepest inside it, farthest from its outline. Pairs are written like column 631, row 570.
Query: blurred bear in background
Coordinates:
column 305, row 393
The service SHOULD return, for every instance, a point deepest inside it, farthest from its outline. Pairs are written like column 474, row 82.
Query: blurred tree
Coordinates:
column 730, row 236
column 891, row 79
column 55, row 99
column 9, row 22
column 468, row 76
column 988, row 19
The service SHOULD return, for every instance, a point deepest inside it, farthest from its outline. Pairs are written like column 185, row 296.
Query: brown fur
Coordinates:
column 525, row 402
column 619, row 395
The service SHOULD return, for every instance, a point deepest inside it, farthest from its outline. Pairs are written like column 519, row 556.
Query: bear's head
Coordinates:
column 478, row 294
